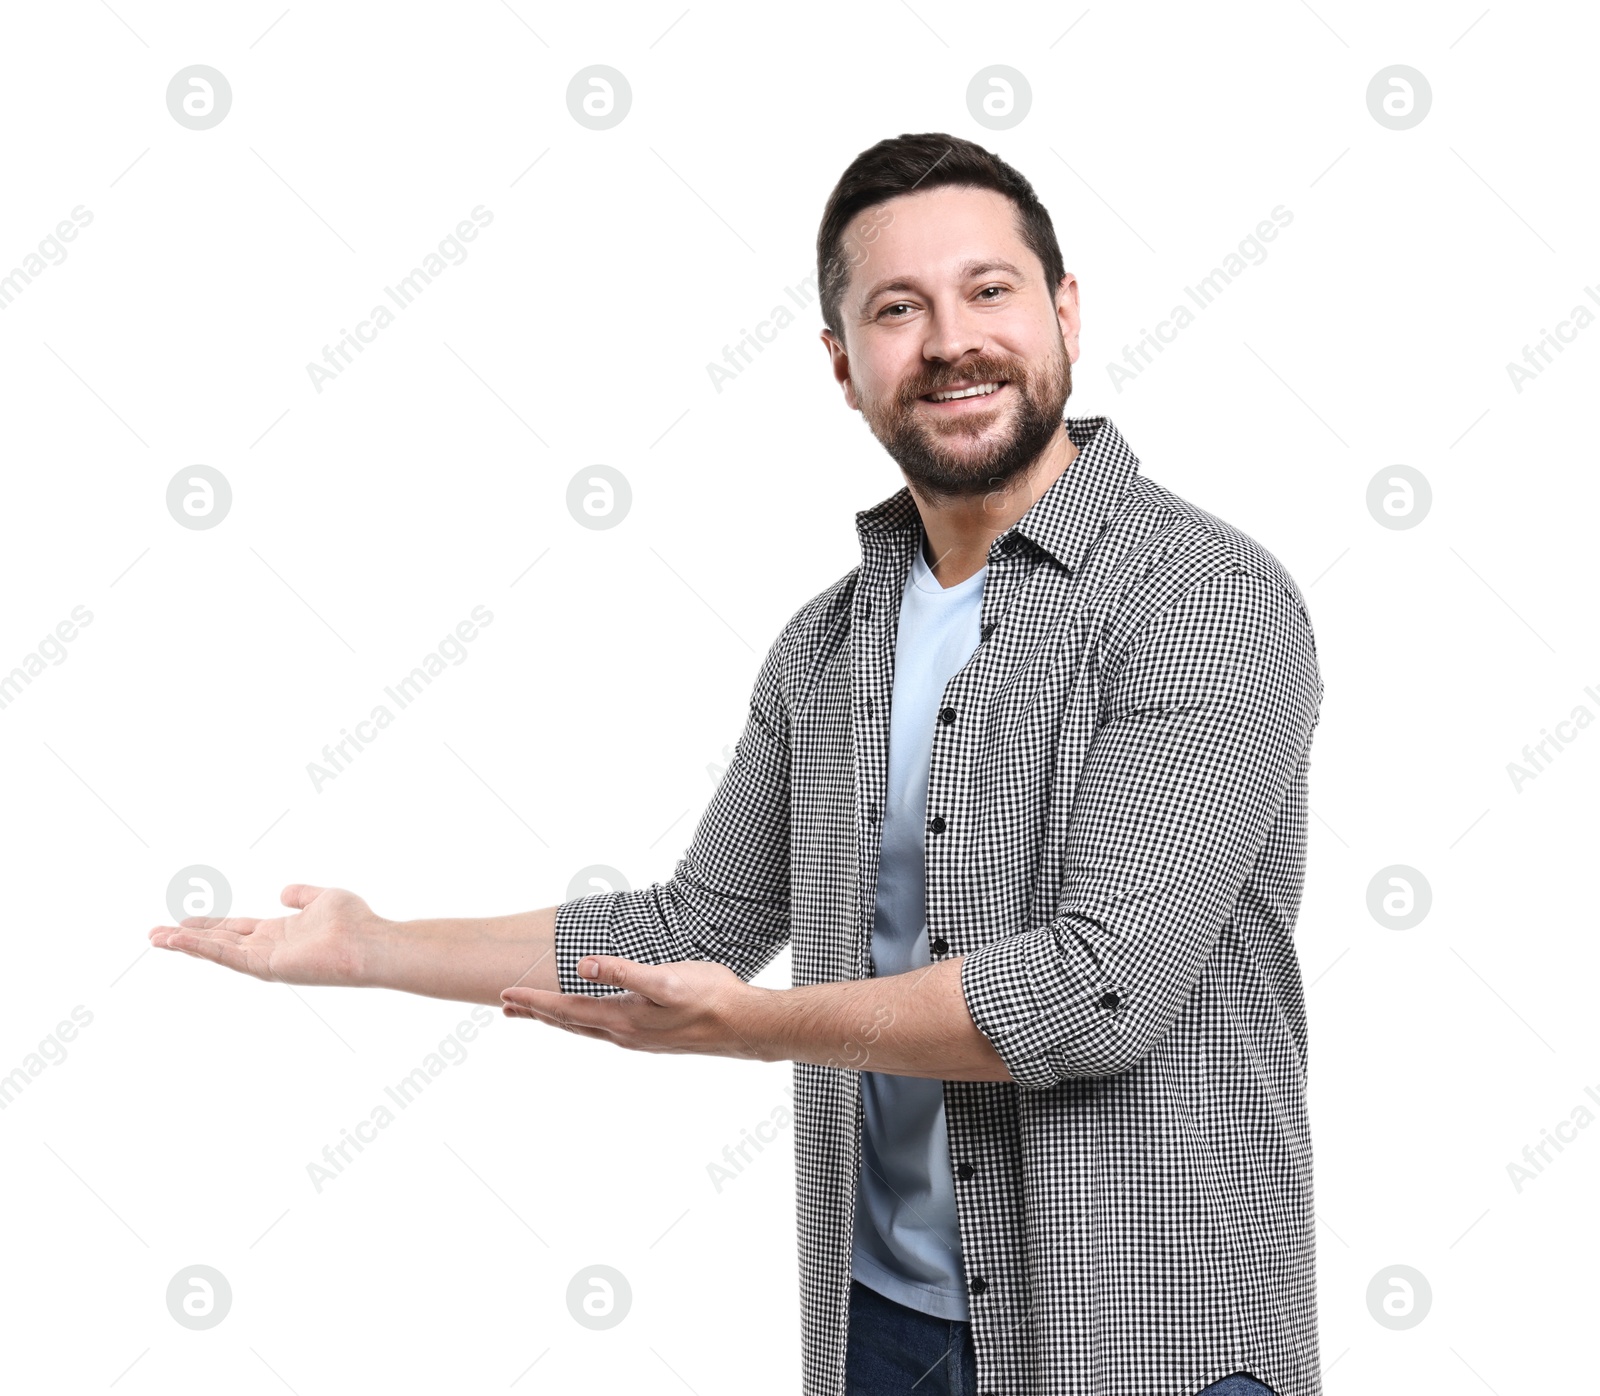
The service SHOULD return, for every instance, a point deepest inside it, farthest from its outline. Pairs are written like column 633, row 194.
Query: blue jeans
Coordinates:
column 895, row 1351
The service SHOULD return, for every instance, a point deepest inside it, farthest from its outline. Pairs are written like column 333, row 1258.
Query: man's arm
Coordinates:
column 337, row 939
column 911, row 1024
column 1204, row 725
column 1205, row 729
column 467, row 958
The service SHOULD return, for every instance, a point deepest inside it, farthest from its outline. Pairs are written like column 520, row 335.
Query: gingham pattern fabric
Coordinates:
column 1116, row 841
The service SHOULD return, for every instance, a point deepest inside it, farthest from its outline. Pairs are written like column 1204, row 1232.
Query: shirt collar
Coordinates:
column 1063, row 521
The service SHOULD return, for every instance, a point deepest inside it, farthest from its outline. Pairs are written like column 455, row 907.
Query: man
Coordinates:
column 1025, row 793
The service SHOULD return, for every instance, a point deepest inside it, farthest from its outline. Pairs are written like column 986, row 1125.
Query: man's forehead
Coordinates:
column 945, row 242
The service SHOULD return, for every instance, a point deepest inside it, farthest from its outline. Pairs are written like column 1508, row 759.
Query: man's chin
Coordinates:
column 940, row 475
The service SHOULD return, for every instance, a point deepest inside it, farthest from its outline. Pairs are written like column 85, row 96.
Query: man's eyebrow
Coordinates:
column 968, row 272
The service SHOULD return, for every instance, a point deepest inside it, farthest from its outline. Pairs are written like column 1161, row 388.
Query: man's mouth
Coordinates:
column 962, row 395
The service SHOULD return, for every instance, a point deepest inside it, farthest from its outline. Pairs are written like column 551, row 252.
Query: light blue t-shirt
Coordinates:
column 907, row 1242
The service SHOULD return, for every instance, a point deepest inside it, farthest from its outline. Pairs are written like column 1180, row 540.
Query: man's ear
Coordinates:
column 1067, row 314
column 839, row 366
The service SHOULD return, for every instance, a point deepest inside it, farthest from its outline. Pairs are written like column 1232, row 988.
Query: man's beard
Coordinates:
column 939, row 458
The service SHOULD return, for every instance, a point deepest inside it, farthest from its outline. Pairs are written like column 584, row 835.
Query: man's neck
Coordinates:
column 960, row 530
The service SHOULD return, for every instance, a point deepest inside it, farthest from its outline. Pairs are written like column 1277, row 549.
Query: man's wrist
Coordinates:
column 760, row 1024
column 376, row 952
column 792, row 1024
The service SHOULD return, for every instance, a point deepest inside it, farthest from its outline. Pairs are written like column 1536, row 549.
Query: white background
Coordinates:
column 586, row 724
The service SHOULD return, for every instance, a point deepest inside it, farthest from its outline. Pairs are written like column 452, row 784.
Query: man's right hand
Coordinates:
column 334, row 939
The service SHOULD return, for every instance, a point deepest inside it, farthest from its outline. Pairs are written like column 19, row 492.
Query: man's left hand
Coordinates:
column 686, row 1006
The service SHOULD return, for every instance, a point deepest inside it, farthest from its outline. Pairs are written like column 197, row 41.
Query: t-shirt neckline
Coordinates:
column 922, row 574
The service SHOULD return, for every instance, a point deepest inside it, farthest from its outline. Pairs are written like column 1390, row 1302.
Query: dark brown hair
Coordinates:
column 912, row 163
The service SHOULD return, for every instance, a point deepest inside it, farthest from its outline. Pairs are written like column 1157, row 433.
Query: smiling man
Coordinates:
column 1025, row 794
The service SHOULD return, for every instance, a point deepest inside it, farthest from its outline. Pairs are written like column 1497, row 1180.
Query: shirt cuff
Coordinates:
column 1039, row 1012
column 583, row 927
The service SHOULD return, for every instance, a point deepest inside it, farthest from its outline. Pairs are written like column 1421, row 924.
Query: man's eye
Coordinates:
column 900, row 305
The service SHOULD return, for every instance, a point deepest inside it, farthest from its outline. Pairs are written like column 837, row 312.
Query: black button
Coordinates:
column 938, row 945
column 1109, row 1000
column 947, row 715
column 1008, row 544
column 965, row 1171
column 990, row 628
column 937, row 824
column 979, row 1285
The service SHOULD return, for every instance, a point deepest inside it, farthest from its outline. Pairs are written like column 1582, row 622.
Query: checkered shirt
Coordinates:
column 1115, row 847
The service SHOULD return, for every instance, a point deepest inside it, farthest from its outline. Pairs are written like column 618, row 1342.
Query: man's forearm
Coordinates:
column 913, row 1024
column 467, row 958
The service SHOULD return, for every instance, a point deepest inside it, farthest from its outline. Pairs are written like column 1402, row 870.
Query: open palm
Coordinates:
column 323, row 944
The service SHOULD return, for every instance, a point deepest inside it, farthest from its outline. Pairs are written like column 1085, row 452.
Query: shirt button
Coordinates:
column 937, row 824
column 979, row 1285
column 938, row 945
column 1109, row 1000
column 947, row 715
column 990, row 628
column 965, row 1171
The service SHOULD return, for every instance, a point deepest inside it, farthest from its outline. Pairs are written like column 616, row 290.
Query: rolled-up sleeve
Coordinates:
column 1204, row 723
column 728, row 899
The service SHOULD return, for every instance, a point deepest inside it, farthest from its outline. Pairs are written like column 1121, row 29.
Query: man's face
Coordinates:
column 945, row 295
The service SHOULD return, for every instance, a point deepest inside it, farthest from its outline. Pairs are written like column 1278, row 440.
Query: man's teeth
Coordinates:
column 982, row 390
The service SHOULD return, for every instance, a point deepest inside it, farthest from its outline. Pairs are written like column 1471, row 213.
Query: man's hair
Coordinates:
column 910, row 164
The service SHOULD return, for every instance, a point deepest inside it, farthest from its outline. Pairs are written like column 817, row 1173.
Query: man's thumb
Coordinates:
column 625, row 974
column 300, row 896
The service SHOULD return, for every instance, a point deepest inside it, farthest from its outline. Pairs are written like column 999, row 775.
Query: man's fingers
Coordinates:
column 575, row 1010
column 587, row 1032
column 243, row 925
column 299, row 895
column 222, row 946
column 513, row 1010
column 177, row 936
